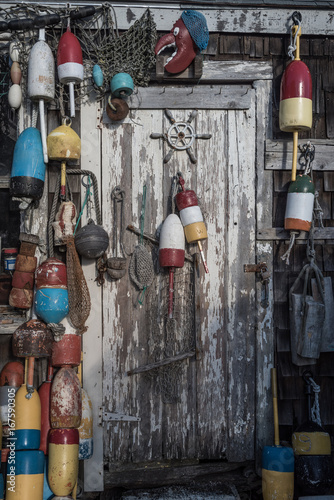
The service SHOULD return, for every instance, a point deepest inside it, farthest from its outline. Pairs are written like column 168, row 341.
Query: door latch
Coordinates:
column 262, row 270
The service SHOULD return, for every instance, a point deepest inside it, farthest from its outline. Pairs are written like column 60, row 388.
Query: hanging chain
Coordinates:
column 296, row 18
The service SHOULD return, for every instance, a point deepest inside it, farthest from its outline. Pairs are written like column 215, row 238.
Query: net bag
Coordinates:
column 78, row 293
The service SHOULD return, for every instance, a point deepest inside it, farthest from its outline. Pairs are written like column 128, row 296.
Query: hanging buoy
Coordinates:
column 25, row 475
column 28, row 167
column 44, row 393
column 91, row 241
column 63, row 460
column 314, row 470
column 51, row 273
column 41, row 80
column 15, row 73
column 299, row 206
column 67, row 351
column 51, row 304
column 27, row 419
column 121, row 85
column 63, row 144
column 11, row 378
column 47, row 492
column 191, row 218
column 65, row 221
column 295, row 111
column 97, row 75
column 15, row 96
column 66, row 400
column 32, row 339
column 117, row 109
column 171, row 251
column 70, row 64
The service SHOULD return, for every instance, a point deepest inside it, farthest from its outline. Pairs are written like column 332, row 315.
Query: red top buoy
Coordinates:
column 12, row 374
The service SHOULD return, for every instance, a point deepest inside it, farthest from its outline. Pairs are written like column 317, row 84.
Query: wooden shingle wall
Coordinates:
column 317, row 53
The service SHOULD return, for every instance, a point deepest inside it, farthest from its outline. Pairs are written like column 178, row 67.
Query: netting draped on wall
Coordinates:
column 130, row 52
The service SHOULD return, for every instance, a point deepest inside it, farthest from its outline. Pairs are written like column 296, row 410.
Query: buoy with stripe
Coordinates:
column 295, row 110
column 66, row 400
column 314, row 470
column 26, row 429
column 28, row 167
column 63, row 460
column 70, row 64
column 25, row 475
column 41, row 80
column 171, row 251
column 44, row 393
column 47, row 492
column 191, row 218
column 11, row 378
column 299, row 206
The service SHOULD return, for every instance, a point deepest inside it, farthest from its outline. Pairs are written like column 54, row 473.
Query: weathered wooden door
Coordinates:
column 203, row 406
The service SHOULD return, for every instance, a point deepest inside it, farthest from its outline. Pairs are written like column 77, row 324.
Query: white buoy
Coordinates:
column 41, row 80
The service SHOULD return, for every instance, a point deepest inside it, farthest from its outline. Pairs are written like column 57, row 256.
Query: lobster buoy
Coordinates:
column 44, row 393
column 27, row 419
column 51, row 304
column 51, row 274
column 15, row 73
column 11, row 378
column 67, row 351
column 117, row 109
column 32, row 339
column 171, row 251
column 28, row 167
column 15, row 96
column 191, row 218
column 41, row 80
column 295, row 109
column 21, row 295
column 121, row 85
column 299, row 206
column 70, row 64
column 66, row 400
column 63, row 460
column 25, row 475
column 63, row 144
column 47, row 492
column 97, row 75
column 91, row 241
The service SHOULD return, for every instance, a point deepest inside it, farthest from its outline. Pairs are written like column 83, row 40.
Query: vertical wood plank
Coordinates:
column 264, row 315
column 211, row 300
column 240, row 249
column 92, row 338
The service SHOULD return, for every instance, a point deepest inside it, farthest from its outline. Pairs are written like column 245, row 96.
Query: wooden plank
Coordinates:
column 211, row 299
column 216, row 97
column 278, row 154
column 264, row 340
column 236, row 71
column 4, row 182
column 92, row 338
column 236, row 19
column 239, row 286
column 279, row 233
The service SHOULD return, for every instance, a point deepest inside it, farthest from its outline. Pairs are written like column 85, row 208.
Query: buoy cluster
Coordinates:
column 46, row 432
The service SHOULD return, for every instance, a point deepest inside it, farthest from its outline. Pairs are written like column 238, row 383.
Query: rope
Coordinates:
column 293, row 45
column 58, row 330
column 286, row 256
column 315, row 410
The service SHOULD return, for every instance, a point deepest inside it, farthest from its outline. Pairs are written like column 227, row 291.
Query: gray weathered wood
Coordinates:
column 279, row 233
column 163, row 362
column 278, row 154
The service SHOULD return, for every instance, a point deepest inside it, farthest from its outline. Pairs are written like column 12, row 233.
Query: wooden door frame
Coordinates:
column 259, row 74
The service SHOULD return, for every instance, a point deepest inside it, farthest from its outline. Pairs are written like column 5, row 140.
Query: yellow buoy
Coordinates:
column 63, row 460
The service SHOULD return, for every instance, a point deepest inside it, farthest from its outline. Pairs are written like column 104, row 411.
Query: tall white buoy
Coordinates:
column 41, row 80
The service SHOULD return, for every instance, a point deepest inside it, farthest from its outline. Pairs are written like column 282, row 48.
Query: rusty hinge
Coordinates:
column 262, row 269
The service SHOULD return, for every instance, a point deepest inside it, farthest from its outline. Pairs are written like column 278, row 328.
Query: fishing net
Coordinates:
column 131, row 51
column 171, row 336
column 78, row 293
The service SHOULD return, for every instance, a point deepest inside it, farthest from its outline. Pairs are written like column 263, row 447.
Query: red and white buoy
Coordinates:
column 70, row 63
column 41, row 80
column 191, row 218
column 171, row 251
column 295, row 111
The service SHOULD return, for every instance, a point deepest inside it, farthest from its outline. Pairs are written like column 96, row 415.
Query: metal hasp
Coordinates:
column 107, row 416
column 262, row 269
column 180, row 136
